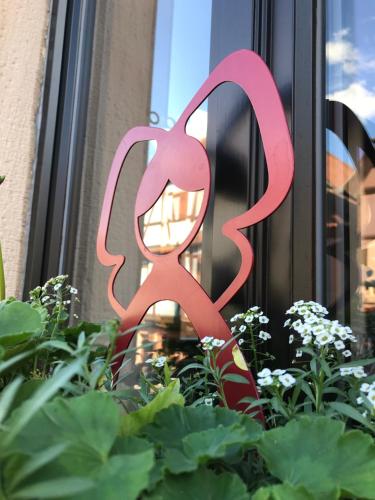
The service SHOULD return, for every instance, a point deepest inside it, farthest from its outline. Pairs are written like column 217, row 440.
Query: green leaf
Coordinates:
column 27, row 410
column 122, row 476
column 37, row 461
column 18, row 322
column 234, row 377
column 203, row 484
column 7, row 397
column 83, row 326
column 316, row 453
column 283, row 491
column 359, row 362
column 87, row 424
column 352, row 413
column 133, row 422
column 192, row 436
column 14, row 360
column 55, row 488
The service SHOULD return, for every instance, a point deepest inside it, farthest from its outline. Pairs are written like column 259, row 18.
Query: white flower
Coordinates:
column 339, row 344
column 359, row 400
column 241, row 341
column 297, row 324
column 343, row 335
column 291, row 338
column 208, row 401
column 299, row 303
column 265, row 381
column 218, row 342
column 266, row 372
column 371, row 397
column 207, row 340
column 306, row 339
column 318, row 329
column 207, row 347
column 160, row 362
column 287, row 380
column 243, row 328
column 264, row 335
column 278, row 372
column 345, row 371
column 347, row 353
column 248, row 319
column 73, row 290
column 44, row 299
column 324, row 338
column 254, row 308
column 365, row 387
column 149, row 360
column 359, row 372
column 263, row 319
column 291, row 310
column 233, row 329
column 287, row 322
column 298, row 353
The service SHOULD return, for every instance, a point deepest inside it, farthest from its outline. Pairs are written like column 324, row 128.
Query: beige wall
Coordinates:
column 23, row 32
column 119, row 100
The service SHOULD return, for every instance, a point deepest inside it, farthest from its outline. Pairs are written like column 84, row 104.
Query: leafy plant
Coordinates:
column 316, row 454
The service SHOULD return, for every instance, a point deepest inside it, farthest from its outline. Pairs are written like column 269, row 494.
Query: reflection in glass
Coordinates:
column 180, row 66
column 350, row 167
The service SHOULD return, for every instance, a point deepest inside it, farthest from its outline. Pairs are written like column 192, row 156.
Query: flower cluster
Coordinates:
column 317, row 331
column 367, row 393
column 208, row 343
column 275, row 378
column 356, row 371
column 158, row 362
column 250, row 321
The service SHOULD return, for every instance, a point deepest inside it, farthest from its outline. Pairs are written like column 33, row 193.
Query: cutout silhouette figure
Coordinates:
column 183, row 161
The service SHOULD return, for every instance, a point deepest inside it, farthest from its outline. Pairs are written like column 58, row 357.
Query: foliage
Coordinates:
column 317, row 454
column 67, row 430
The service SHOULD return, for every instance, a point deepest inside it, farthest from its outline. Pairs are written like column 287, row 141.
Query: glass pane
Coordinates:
column 350, row 166
column 149, row 60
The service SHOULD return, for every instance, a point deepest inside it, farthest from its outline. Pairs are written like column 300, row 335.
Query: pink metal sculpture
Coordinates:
column 183, row 161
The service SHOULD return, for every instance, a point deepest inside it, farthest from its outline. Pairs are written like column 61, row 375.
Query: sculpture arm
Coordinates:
column 248, row 70
column 135, row 135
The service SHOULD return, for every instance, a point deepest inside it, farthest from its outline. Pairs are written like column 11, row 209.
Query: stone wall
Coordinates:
column 23, row 39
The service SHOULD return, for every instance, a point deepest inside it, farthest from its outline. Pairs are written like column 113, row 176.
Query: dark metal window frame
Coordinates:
column 61, row 140
column 289, row 247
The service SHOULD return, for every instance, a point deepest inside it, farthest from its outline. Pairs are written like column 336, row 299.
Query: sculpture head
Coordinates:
column 181, row 160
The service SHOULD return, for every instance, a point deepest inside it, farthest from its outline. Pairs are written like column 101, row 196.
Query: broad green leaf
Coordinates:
column 122, row 476
column 18, row 322
column 132, row 423
column 283, row 491
column 88, row 425
column 27, row 410
column 192, row 436
column 316, row 453
column 203, row 484
column 55, row 488
column 35, row 462
column 83, row 326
